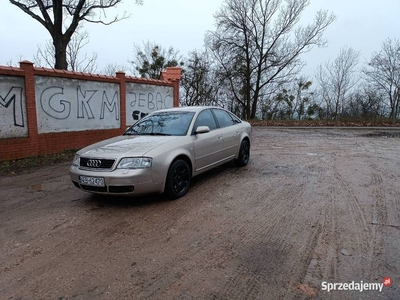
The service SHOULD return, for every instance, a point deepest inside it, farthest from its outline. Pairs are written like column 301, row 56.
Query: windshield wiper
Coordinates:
column 159, row 133
column 130, row 132
column 134, row 132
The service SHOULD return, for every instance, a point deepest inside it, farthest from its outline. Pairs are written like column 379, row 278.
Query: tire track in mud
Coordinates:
column 379, row 219
column 330, row 228
column 359, row 226
column 325, row 260
column 307, row 261
column 273, row 238
column 323, row 257
column 368, row 238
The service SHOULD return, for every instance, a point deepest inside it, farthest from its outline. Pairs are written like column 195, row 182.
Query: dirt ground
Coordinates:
column 312, row 206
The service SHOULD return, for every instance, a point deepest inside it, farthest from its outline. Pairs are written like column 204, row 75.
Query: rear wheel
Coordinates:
column 178, row 179
column 244, row 154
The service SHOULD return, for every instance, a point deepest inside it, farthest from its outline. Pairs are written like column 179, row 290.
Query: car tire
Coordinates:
column 178, row 179
column 244, row 154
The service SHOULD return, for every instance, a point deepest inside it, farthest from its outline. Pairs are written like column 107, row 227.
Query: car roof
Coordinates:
column 187, row 108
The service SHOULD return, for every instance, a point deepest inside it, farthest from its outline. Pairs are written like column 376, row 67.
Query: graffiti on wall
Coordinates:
column 75, row 105
column 141, row 99
column 12, row 107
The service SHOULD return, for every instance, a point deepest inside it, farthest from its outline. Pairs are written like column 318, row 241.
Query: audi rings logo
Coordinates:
column 94, row 163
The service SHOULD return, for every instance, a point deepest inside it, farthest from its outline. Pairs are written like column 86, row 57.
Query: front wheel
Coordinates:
column 244, row 154
column 178, row 179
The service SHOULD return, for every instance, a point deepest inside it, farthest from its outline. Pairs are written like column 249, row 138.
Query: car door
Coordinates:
column 230, row 132
column 208, row 147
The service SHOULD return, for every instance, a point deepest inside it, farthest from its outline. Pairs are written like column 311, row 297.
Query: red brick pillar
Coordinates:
column 176, row 92
column 27, row 66
column 173, row 74
column 122, row 94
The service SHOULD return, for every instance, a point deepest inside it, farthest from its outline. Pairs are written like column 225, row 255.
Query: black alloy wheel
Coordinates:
column 244, row 154
column 178, row 179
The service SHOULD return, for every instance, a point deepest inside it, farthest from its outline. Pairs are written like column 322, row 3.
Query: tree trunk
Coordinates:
column 254, row 107
column 60, row 54
column 395, row 111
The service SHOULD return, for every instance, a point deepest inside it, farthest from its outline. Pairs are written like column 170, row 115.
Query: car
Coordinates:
column 161, row 152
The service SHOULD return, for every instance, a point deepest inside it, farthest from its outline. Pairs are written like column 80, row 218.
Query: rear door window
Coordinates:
column 224, row 118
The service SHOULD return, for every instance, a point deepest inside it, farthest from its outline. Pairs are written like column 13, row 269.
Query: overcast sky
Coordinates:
column 362, row 25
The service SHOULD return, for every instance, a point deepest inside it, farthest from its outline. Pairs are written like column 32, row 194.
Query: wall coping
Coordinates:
column 166, row 77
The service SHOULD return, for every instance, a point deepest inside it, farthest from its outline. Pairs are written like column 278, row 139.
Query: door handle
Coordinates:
column 220, row 137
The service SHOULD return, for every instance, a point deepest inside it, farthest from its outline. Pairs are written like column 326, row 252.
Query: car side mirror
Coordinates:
column 202, row 129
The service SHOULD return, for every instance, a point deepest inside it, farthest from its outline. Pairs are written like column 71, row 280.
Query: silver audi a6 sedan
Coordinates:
column 162, row 152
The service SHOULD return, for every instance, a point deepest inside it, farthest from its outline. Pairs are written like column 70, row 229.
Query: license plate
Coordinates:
column 93, row 181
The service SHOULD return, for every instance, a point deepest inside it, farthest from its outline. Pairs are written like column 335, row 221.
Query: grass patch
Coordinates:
column 27, row 165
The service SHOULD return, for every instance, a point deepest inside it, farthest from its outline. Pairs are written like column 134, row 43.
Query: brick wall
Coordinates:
column 47, row 143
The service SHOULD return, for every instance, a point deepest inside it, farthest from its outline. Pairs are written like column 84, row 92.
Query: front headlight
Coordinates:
column 76, row 160
column 135, row 163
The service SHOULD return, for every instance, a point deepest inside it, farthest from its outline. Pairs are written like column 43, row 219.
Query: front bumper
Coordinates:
column 119, row 182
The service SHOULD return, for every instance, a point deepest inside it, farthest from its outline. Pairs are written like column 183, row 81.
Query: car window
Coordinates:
column 163, row 123
column 224, row 118
column 205, row 118
column 235, row 118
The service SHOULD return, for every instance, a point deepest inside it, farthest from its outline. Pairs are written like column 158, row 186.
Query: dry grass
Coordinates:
column 320, row 123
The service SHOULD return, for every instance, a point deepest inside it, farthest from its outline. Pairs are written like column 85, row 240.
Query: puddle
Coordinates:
column 385, row 134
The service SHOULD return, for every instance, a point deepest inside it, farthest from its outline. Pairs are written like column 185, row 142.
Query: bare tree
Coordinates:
column 62, row 17
column 150, row 59
column 75, row 59
column 365, row 103
column 291, row 102
column 336, row 80
column 199, row 83
column 85, row 62
column 258, row 44
column 384, row 72
column 112, row 68
column 12, row 63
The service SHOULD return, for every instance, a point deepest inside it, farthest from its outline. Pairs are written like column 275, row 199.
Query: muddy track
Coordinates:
column 312, row 206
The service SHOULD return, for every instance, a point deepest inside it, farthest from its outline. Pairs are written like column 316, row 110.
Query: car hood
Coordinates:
column 125, row 146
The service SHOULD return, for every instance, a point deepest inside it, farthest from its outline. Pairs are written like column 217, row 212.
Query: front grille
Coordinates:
column 96, row 163
column 99, row 189
column 103, row 189
column 121, row 189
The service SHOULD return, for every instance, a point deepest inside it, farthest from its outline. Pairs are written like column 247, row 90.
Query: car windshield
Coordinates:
column 163, row 123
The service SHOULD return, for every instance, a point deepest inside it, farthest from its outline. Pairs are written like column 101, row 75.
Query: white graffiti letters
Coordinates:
column 150, row 101
column 13, row 119
column 112, row 106
column 53, row 104
column 14, row 96
column 65, row 104
column 83, row 102
column 143, row 99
